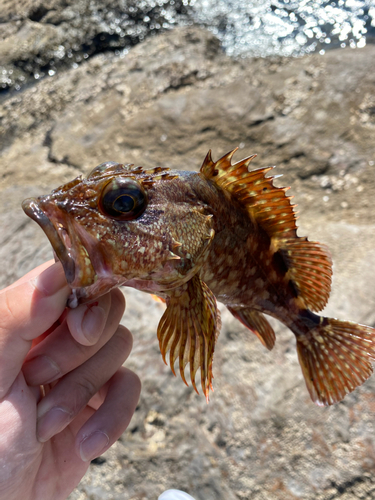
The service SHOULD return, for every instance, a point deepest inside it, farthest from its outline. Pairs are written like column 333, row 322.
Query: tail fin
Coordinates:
column 335, row 358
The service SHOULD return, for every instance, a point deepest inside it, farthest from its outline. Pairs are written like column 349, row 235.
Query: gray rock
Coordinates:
column 167, row 102
column 40, row 37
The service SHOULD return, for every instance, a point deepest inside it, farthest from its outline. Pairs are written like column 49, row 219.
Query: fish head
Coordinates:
column 124, row 225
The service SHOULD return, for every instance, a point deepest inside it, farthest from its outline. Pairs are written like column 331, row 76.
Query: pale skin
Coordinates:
column 65, row 397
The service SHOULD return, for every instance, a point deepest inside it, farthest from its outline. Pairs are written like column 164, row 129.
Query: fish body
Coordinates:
column 225, row 233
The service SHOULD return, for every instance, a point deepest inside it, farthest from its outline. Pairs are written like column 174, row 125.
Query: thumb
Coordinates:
column 27, row 309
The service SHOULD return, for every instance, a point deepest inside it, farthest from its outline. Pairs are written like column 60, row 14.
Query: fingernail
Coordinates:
column 40, row 370
column 93, row 323
column 51, row 280
column 92, row 446
column 53, row 422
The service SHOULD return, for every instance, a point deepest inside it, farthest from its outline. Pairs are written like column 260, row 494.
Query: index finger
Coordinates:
column 27, row 309
column 31, row 274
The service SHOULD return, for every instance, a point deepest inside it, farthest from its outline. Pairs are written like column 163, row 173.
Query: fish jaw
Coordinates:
column 32, row 208
column 86, row 271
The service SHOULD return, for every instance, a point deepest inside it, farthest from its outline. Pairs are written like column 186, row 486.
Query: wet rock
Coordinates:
column 42, row 37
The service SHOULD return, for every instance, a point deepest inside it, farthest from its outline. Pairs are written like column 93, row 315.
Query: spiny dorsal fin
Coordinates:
column 266, row 204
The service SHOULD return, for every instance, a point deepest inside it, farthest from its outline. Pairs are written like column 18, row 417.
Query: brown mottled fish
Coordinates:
column 188, row 237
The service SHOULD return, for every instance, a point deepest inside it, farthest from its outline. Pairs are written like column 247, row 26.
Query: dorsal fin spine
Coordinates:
column 267, row 205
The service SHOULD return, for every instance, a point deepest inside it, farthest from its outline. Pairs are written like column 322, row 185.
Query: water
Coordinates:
column 253, row 27
column 287, row 27
column 245, row 27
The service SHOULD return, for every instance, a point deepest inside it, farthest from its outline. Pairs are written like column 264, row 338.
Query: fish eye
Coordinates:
column 123, row 199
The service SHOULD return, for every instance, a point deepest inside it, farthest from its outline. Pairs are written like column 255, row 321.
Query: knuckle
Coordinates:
column 71, row 394
column 84, row 387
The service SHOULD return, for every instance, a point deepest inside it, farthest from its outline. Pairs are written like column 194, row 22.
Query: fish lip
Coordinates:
column 32, row 208
column 47, row 213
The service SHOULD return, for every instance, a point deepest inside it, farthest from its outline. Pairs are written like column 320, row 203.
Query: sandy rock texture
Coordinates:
column 168, row 101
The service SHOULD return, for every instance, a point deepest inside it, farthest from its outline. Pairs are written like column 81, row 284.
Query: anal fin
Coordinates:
column 257, row 323
column 189, row 329
column 335, row 358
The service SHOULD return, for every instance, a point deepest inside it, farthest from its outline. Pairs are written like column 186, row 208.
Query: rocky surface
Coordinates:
column 167, row 102
column 40, row 37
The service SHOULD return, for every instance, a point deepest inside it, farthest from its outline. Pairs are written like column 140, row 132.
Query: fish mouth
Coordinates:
column 87, row 272
column 57, row 236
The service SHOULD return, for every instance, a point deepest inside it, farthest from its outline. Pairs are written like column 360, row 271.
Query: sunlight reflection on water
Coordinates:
column 287, row 27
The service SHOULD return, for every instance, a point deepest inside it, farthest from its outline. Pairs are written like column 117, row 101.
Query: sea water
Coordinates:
column 287, row 27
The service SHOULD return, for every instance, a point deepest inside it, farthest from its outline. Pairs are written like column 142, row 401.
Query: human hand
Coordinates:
column 75, row 358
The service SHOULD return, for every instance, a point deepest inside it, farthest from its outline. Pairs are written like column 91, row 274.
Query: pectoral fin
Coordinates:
column 189, row 329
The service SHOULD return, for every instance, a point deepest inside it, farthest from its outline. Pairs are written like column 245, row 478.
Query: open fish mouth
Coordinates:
column 57, row 236
column 85, row 267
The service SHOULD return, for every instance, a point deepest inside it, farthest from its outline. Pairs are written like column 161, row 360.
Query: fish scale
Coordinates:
column 225, row 233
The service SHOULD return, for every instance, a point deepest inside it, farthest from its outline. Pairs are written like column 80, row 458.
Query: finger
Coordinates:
column 72, row 393
column 33, row 273
column 87, row 321
column 60, row 353
column 113, row 416
column 27, row 309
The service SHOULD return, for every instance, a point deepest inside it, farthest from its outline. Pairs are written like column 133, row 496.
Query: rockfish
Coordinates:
column 224, row 233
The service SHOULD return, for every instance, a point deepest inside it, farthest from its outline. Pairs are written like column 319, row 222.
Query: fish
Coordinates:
column 226, row 233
